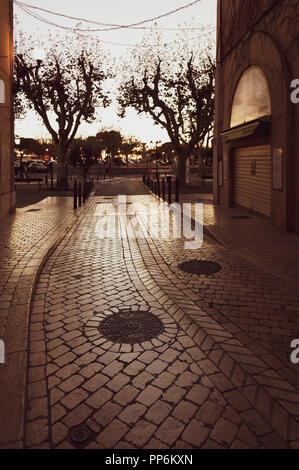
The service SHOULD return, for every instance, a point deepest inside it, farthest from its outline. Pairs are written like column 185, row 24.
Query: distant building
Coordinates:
column 7, row 192
column 256, row 146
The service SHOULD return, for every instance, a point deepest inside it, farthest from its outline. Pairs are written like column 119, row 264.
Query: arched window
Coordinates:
column 252, row 97
column 2, row 92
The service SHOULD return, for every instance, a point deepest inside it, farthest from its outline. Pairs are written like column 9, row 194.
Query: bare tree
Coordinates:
column 64, row 90
column 177, row 92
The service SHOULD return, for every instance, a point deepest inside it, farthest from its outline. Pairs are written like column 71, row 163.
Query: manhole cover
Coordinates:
column 200, row 267
column 131, row 327
column 81, row 436
column 241, row 217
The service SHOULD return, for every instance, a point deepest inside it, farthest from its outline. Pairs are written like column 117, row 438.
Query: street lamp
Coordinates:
column 157, row 168
column 39, row 56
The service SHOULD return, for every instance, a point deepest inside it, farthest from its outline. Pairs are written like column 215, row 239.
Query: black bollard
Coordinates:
column 52, row 176
column 158, row 187
column 80, row 194
column 177, row 190
column 169, row 179
column 84, row 191
column 163, row 189
column 66, row 178
column 75, row 194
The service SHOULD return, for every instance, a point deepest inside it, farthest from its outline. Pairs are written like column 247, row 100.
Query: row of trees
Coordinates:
column 106, row 146
column 110, row 143
column 175, row 87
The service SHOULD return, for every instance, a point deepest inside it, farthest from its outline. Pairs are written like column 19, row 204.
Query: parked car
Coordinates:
column 37, row 167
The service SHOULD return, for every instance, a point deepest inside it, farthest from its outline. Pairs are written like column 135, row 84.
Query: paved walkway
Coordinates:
column 25, row 240
column 252, row 236
column 218, row 376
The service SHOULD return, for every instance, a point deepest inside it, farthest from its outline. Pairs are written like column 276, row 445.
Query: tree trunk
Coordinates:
column 61, row 181
column 182, row 168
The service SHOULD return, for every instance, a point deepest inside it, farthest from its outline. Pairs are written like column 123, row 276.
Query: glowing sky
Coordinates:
column 113, row 12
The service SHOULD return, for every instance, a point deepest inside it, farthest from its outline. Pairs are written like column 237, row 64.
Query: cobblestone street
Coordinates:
column 216, row 375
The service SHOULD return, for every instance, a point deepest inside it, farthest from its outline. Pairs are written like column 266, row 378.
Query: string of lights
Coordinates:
column 112, row 27
column 78, row 31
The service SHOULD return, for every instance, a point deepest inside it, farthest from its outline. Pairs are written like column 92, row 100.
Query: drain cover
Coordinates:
column 131, row 327
column 241, row 217
column 200, row 267
column 34, row 210
column 81, row 436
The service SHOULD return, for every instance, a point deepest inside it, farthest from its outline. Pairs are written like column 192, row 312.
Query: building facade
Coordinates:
column 7, row 191
column 256, row 145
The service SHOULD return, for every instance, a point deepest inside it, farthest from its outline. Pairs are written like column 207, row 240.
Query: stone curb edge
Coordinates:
column 216, row 238
column 80, row 211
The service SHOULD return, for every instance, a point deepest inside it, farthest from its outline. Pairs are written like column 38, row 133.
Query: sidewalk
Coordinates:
column 256, row 239
column 218, row 375
column 249, row 234
column 26, row 241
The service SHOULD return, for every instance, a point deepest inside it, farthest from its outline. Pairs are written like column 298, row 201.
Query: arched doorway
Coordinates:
column 252, row 163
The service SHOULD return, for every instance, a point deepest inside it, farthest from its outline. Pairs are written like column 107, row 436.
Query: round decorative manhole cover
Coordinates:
column 131, row 327
column 207, row 268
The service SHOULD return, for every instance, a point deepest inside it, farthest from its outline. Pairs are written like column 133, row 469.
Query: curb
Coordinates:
column 205, row 229
column 216, row 238
column 80, row 211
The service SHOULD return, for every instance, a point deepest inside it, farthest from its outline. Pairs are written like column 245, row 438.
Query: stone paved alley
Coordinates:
column 219, row 375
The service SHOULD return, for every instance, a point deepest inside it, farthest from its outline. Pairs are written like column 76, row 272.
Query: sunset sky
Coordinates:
column 113, row 12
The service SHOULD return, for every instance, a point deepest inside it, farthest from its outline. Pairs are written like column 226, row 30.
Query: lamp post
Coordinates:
column 38, row 55
column 157, row 167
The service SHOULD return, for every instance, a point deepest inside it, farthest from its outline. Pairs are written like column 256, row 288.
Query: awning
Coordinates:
column 245, row 130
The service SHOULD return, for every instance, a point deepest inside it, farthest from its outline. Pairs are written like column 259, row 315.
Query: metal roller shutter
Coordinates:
column 252, row 178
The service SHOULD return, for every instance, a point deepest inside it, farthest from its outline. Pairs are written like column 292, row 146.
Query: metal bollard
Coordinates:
column 80, row 194
column 177, row 190
column 52, row 177
column 158, row 187
column 75, row 194
column 66, row 179
column 163, row 189
column 169, row 180
column 84, row 191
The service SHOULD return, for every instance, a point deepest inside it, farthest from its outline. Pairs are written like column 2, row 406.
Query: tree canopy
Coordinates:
column 175, row 87
column 68, row 84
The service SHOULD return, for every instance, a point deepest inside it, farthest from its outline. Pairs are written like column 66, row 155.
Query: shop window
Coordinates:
column 252, row 97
